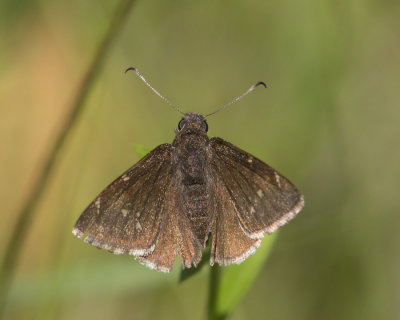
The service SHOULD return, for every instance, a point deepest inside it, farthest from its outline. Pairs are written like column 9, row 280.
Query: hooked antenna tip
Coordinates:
column 260, row 83
column 131, row 68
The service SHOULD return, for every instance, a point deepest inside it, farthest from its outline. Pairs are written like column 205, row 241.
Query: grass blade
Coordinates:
column 26, row 214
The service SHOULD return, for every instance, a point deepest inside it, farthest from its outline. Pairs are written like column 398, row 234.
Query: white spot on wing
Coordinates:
column 250, row 160
column 78, row 233
column 118, row 251
column 124, row 212
column 152, row 265
column 125, row 177
column 252, row 210
column 138, row 226
column 260, row 193
column 278, row 179
column 142, row 252
column 107, row 247
column 97, row 203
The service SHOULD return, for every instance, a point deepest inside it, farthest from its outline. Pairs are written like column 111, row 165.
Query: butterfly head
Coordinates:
column 193, row 122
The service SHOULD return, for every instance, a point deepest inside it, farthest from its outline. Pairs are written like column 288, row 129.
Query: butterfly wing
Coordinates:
column 126, row 216
column 229, row 243
column 254, row 196
column 141, row 213
column 176, row 236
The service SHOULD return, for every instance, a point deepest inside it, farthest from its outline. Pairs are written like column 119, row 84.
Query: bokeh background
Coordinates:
column 329, row 121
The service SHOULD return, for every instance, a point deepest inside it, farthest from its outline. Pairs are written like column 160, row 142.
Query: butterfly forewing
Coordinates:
column 263, row 199
column 126, row 216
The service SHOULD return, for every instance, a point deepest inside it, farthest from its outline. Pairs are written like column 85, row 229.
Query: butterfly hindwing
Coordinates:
column 176, row 236
column 229, row 243
column 126, row 216
column 263, row 199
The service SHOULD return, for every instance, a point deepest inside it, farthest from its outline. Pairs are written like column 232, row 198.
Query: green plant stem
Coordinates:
column 213, row 293
column 26, row 214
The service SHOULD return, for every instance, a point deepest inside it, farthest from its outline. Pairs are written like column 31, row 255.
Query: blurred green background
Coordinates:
column 329, row 121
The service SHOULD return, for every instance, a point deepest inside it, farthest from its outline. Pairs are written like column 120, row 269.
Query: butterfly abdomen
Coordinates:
column 194, row 183
column 196, row 201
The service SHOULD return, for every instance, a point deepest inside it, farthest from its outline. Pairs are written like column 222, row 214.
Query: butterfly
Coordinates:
column 181, row 195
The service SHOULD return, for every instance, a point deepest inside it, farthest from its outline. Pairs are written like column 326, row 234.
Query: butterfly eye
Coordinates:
column 181, row 123
column 205, row 125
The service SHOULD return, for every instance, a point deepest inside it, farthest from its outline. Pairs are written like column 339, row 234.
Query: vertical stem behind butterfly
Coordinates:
column 213, row 293
column 25, row 216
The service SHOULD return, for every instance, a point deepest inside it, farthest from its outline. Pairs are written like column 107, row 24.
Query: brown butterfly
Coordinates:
column 172, row 200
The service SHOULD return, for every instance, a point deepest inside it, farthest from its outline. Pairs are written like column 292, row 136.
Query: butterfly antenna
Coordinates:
column 238, row 98
column 154, row 90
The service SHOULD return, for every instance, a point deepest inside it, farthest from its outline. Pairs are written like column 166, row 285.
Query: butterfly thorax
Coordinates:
column 191, row 163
